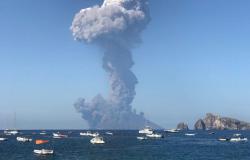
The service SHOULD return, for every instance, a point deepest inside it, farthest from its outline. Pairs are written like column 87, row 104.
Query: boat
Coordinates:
column 23, row 139
column 43, row 151
column 141, row 138
column 109, row 133
column 211, row 133
column 237, row 135
column 43, row 133
column 3, row 139
column 190, row 134
column 58, row 135
column 154, row 135
column 97, row 140
column 146, row 130
column 10, row 132
column 40, row 141
column 172, row 130
column 88, row 133
column 224, row 139
column 238, row 139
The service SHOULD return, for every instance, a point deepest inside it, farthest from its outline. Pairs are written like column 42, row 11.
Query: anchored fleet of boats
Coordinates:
column 145, row 133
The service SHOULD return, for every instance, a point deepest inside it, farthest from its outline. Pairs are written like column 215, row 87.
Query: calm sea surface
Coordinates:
column 123, row 145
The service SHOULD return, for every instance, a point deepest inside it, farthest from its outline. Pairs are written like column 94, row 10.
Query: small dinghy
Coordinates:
column 43, row 151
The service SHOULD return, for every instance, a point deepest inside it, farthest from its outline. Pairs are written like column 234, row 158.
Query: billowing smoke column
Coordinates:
column 115, row 27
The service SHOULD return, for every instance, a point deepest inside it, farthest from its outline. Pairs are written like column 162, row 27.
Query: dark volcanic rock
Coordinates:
column 221, row 123
column 200, row 125
column 182, row 126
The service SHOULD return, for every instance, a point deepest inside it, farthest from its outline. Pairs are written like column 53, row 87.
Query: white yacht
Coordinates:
column 146, row 130
column 97, row 140
column 88, row 133
column 238, row 139
column 43, row 151
column 3, row 139
column 23, row 139
column 154, row 135
column 58, row 135
column 172, row 130
column 11, row 132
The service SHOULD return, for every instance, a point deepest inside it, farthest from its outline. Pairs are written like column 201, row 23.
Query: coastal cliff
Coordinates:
column 217, row 122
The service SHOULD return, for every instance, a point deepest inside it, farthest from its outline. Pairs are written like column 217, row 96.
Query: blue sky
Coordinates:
column 194, row 59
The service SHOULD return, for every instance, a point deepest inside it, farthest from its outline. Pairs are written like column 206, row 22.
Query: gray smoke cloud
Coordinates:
column 115, row 27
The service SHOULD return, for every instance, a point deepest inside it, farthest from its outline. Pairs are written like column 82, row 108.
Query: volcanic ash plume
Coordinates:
column 115, row 27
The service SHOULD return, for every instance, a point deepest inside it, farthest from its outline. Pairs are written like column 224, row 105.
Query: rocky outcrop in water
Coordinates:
column 200, row 125
column 217, row 122
column 182, row 126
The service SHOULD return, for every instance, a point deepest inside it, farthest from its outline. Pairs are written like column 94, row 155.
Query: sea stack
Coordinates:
column 182, row 126
column 217, row 122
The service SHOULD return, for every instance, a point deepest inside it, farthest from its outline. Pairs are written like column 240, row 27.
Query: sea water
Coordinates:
column 124, row 145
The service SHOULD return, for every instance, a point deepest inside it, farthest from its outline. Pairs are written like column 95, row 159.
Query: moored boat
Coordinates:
column 43, row 151
column 238, row 139
column 172, row 130
column 97, row 140
column 59, row 135
column 190, row 134
column 23, row 139
column 3, row 139
column 10, row 132
column 154, row 135
column 146, row 130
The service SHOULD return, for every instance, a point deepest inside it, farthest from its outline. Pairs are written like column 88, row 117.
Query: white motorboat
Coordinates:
column 109, row 133
column 223, row 139
column 172, row 130
column 88, row 133
column 190, row 134
column 43, row 133
column 3, row 139
column 23, row 139
column 58, row 135
column 43, row 151
column 142, row 138
column 154, row 135
column 11, row 132
column 146, row 130
column 97, row 140
column 238, row 139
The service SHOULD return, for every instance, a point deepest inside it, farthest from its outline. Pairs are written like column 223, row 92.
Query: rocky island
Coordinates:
column 182, row 126
column 217, row 122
